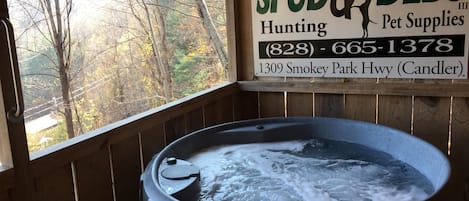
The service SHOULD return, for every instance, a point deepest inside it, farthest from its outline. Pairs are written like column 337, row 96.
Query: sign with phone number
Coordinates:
column 361, row 38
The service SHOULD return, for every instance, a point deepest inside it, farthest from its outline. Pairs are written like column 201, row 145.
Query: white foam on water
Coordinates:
column 281, row 172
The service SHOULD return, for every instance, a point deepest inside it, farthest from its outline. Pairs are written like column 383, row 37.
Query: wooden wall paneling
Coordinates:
column 152, row 140
column 395, row 111
column 7, row 185
column 175, row 128
column 7, row 180
column 300, row 104
column 70, row 151
column 93, row 177
column 219, row 111
column 432, row 115
column 246, row 105
column 458, row 185
column 195, row 120
column 388, row 88
column 4, row 196
column 431, row 123
column 126, row 168
column 431, row 120
column 360, row 107
column 57, row 185
column 272, row 104
column 329, row 105
column 459, row 147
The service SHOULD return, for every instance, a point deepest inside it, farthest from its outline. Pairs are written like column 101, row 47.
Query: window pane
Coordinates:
column 90, row 63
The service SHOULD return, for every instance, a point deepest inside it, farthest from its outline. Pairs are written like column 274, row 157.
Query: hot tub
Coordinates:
column 170, row 176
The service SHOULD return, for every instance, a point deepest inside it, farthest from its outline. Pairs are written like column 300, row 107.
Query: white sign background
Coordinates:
column 397, row 20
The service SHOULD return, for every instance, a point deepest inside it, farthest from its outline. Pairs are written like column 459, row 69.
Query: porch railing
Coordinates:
column 105, row 165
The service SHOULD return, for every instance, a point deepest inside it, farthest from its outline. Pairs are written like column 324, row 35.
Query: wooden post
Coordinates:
column 244, row 40
column 11, row 99
column 231, row 39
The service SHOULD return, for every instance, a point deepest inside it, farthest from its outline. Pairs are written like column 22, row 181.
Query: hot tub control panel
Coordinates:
column 179, row 178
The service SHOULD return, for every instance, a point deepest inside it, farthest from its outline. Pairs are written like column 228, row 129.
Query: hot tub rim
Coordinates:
column 168, row 149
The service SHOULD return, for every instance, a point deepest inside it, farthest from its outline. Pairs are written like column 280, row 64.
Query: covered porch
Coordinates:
column 105, row 165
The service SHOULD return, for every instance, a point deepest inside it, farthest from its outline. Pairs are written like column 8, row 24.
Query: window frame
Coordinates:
column 5, row 149
column 9, row 78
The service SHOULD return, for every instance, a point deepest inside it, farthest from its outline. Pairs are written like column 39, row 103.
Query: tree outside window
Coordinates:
column 85, row 64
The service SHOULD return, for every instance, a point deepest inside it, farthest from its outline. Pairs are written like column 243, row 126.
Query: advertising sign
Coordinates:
column 425, row 39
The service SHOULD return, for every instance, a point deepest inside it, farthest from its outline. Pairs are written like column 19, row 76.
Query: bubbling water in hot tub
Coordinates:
column 316, row 169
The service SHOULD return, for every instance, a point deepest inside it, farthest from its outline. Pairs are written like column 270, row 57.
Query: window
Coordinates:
column 85, row 63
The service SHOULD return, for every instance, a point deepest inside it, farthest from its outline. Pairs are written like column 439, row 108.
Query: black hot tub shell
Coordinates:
column 419, row 154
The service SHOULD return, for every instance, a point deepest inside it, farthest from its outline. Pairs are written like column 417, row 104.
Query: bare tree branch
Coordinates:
column 185, row 4
column 96, row 55
column 39, row 74
column 175, row 10
column 137, row 17
column 35, row 23
column 213, row 33
column 53, row 61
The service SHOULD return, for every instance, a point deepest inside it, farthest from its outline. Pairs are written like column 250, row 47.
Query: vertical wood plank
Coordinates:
column 272, row 105
column 459, row 142
column 152, row 141
column 329, row 105
column 244, row 52
column 246, row 105
column 4, row 196
column 395, row 111
column 7, row 185
column 93, row 173
column 7, row 180
column 56, row 186
column 220, row 111
column 175, row 128
column 431, row 123
column 231, row 40
column 126, row 168
column 431, row 120
column 195, row 120
column 300, row 104
column 361, row 107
